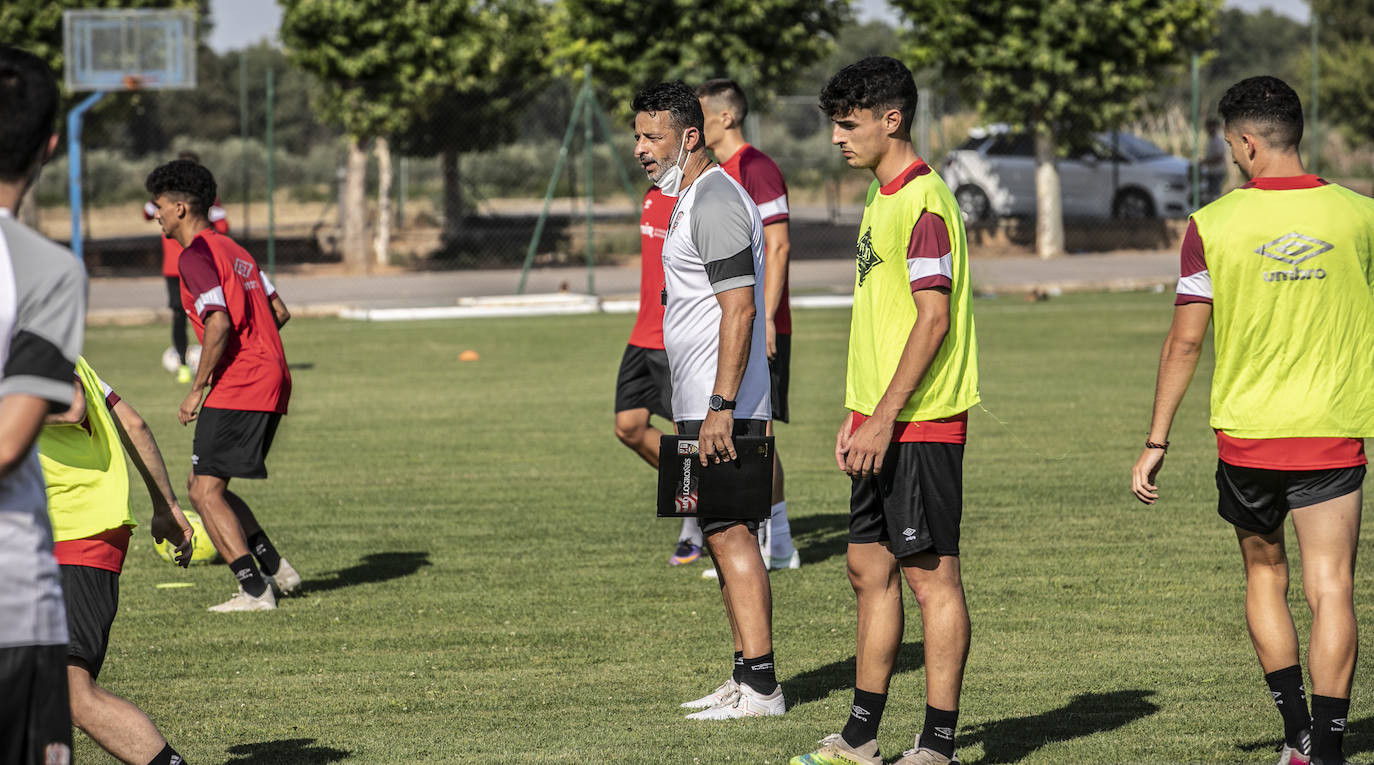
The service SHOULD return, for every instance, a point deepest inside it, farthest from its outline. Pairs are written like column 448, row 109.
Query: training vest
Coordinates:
column 86, row 470
column 1293, row 311
column 884, row 310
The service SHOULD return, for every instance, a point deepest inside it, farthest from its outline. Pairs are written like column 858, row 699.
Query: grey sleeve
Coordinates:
column 49, row 323
column 722, row 230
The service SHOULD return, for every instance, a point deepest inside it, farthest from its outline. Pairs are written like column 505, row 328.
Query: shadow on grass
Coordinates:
column 377, row 567
column 819, row 537
column 822, row 681
column 300, row 366
column 1359, row 739
column 1015, row 738
column 291, row 751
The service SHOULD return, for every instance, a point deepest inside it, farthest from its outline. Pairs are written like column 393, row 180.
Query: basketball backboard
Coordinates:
column 122, row 49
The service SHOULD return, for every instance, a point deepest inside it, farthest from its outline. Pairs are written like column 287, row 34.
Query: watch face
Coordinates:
column 716, row 402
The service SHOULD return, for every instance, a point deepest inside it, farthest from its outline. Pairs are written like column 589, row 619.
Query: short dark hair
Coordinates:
column 876, row 83
column 728, row 90
column 192, row 182
column 190, row 156
column 1267, row 103
column 684, row 110
column 28, row 99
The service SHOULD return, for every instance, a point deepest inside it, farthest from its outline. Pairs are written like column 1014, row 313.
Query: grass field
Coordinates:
column 486, row 582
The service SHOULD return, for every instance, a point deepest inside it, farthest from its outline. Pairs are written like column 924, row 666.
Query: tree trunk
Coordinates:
column 453, row 196
column 354, row 243
column 1049, row 199
column 381, row 242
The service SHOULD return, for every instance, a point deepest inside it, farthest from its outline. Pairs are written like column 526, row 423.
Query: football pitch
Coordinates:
column 485, row 580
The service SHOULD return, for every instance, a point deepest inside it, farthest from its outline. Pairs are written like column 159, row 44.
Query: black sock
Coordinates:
column 738, row 673
column 938, row 733
column 758, row 674
column 247, row 574
column 265, row 553
column 1285, row 685
column 864, row 717
column 168, row 756
column 1328, row 728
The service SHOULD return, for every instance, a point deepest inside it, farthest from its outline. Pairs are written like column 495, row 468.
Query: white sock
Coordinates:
column 780, row 533
column 691, row 532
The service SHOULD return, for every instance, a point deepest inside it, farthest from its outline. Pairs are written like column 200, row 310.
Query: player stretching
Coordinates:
column 911, row 378
column 88, row 501
column 713, row 271
column 724, row 107
column 1285, row 267
column 236, row 314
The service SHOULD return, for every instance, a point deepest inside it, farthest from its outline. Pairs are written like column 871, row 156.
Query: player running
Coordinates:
column 724, row 106
column 236, row 313
column 1284, row 268
column 911, row 378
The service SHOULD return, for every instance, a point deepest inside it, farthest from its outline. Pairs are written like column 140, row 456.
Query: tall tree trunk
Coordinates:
column 354, row 243
column 453, row 196
column 381, row 242
column 1049, row 198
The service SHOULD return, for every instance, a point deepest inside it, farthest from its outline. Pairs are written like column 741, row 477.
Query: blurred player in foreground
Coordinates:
column 42, row 323
column 911, row 378
column 236, row 313
column 1284, row 268
column 88, row 502
column 724, row 107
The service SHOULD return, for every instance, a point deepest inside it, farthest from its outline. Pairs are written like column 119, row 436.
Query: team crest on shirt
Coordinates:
column 866, row 255
column 243, row 268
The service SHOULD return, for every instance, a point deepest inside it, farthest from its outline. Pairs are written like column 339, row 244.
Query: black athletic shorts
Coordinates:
column 643, row 382
column 915, row 503
column 92, row 596
column 233, row 444
column 35, row 721
column 174, row 296
column 779, row 373
column 1258, row 500
column 754, row 428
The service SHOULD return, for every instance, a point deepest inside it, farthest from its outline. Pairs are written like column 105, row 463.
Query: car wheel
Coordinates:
column 973, row 202
column 1133, row 204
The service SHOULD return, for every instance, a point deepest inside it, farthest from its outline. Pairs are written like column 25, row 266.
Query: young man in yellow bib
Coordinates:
column 911, row 378
column 1284, row 269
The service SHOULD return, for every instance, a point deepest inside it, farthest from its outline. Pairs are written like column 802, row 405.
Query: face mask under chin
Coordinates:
column 670, row 183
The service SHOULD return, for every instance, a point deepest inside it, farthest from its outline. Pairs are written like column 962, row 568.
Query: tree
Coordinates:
column 1346, row 61
column 1061, row 68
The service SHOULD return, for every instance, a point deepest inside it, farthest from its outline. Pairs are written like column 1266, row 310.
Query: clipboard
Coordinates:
column 740, row 489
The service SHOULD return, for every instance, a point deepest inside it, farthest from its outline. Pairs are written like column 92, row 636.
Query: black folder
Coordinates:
column 740, row 489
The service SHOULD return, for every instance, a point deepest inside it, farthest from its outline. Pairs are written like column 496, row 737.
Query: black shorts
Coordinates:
column 644, row 382
column 915, row 503
column 754, row 428
column 230, row 443
column 779, row 372
column 174, row 296
column 35, row 721
column 1258, row 500
column 92, row 596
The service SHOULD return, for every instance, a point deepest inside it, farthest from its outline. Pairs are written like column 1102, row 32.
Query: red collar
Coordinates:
column 914, row 170
column 1286, row 183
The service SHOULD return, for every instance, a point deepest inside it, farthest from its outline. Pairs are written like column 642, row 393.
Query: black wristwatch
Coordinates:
column 718, row 402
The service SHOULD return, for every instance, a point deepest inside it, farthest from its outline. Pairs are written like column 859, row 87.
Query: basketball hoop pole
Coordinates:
column 74, row 165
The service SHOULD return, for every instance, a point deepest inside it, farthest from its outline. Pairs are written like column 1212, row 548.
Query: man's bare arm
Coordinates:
column 1177, row 362
column 736, row 334
column 279, row 312
column 168, row 520
column 217, row 328
column 21, row 417
column 777, row 244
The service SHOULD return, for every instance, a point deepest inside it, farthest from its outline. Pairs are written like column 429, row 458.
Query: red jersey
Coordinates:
column 760, row 176
column 218, row 275
column 171, row 249
column 653, row 228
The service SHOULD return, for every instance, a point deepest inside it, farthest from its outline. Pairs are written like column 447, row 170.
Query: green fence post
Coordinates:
column 243, row 133
column 588, row 147
column 271, row 180
column 1197, row 155
column 553, row 183
column 1316, row 72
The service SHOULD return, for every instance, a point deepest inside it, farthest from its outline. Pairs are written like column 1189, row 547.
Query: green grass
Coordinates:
column 486, row 581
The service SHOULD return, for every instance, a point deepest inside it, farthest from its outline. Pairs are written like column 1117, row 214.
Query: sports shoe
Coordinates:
column 919, row 755
column 686, row 552
column 782, row 564
column 242, row 601
column 834, row 750
column 183, row 374
column 746, row 702
column 1297, row 755
column 724, row 691
column 286, row 581
column 710, row 572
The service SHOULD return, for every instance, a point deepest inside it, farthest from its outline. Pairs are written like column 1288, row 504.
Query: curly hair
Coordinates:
column 730, row 92
column 1271, row 107
column 684, row 110
column 189, row 181
column 876, row 83
column 28, row 99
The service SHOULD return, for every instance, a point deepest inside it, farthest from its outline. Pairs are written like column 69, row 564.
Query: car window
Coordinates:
column 1136, row 148
column 1012, row 144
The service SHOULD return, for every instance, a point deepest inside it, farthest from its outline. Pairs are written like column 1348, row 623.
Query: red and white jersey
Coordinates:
column 761, row 177
column 653, row 229
column 171, row 249
column 218, row 275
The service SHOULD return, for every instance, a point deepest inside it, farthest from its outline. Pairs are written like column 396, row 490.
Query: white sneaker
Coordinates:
column 746, row 702
column 710, row 572
column 286, row 581
column 722, row 692
column 781, row 564
column 242, row 601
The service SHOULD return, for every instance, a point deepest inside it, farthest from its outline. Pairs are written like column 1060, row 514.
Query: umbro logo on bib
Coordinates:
column 1294, row 248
